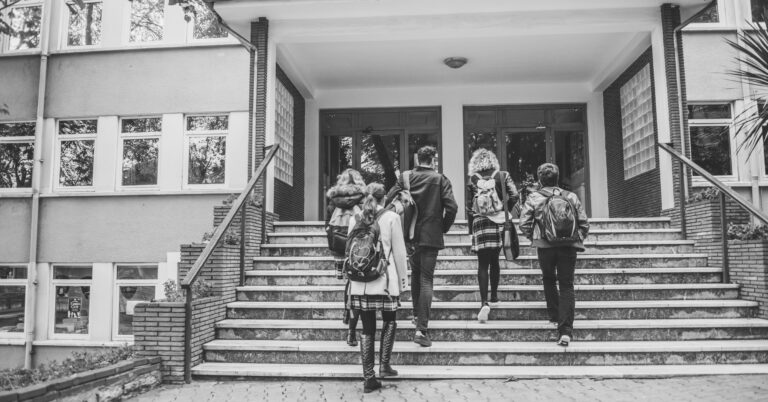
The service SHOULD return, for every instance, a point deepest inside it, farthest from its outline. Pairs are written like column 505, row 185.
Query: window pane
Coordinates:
column 72, row 127
column 72, row 307
column 206, row 24
column 525, row 153
column 721, row 111
column 710, row 16
column 12, row 308
column 339, row 158
column 17, row 129
column 12, row 272
column 140, row 162
column 570, row 115
column 147, row 20
column 76, row 163
column 711, row 149
column 207, row 123
column 479, row 138
column 206, row 160
column 67, row 272
column 416, row 141
column 758, row 9
column 25, row 23
column 142, row 125
column 130, row 296
column 380, row 159
column 136, row 272
column 16, row 162
column 84, row 25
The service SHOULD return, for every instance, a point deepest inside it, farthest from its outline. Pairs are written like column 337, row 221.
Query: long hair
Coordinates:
column 350, row 176
column 482, row 159
column 376, row 193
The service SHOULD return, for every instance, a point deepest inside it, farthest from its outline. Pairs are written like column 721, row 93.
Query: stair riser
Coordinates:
column 531, row 279
column 494, row 359
column 464, row 238
column 524, row 250
column 462, row 227
column 406, row 312
column 506, row 335
column 508, row 295
column 596, row 263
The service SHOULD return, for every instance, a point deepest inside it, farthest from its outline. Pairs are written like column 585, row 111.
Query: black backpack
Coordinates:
column 559, row 222
column 337, row 228
column 365, row 262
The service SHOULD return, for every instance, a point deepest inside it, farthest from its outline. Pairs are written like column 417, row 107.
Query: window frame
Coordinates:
column 116, row 336
column 121, row 136
column 20, row 140
column 16, row 282
column 57, row 154
column 698, row 181
column 126, row 37
column 206, row 133
column 64, row 36
column 5, row 40
column 52, row 302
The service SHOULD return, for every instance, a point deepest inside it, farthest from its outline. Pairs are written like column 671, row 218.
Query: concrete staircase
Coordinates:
column 647, row 305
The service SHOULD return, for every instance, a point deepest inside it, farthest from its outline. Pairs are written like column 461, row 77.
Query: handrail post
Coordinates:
column 681, row 190
column 242, row 243
column 188, row 334
column 724, row 234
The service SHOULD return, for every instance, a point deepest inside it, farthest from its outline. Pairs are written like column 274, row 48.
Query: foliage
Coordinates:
column 709, row 193
column 747, row 232
column 78, row 362
column 174, row 292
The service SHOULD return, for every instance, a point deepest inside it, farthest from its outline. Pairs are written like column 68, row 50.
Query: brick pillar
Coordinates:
column 258, row 85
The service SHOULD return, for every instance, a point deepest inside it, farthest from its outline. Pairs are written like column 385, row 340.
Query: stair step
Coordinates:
column 526, row 261
column 533, row 310
column 508, row 276
column 508, row 331
column 505, row 292
column 353, row 371
column 497, row 353
column 463, row 249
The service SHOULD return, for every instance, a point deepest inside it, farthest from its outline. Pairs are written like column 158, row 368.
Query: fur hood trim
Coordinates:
column 346, row 191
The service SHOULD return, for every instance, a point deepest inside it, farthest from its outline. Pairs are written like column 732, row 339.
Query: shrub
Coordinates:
column 78, row 362
column 174, row 292
column 747, row 232
column 709, row 193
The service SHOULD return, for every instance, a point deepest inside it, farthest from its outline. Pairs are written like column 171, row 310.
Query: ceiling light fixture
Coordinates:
column 455, row 62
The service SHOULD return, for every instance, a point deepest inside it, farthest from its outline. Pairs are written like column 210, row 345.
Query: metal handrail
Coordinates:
column 186, row 283
column 725, row 190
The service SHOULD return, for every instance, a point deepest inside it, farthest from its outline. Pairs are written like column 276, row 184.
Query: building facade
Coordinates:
column 123, row 124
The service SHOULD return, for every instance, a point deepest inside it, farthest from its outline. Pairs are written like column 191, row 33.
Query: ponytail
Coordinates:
column 376, row 193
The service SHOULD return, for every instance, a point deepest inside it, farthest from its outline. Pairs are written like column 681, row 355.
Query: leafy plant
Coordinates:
column 709, row 193
column 747, row 232
column 174, row 293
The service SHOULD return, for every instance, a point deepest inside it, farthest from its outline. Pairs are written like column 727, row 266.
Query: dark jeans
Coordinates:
column 488, row 259
column 423, row 263
column 557, row 266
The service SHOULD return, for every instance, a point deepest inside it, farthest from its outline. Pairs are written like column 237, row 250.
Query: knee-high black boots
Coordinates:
column 368, row 354
column 385, row 351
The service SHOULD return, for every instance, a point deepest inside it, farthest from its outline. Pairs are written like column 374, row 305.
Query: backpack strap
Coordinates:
column 479, row 177
column 505, row 196
column 495, row 172
column 407, row 180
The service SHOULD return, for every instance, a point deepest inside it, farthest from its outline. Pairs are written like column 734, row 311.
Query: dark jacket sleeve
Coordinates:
column 470, row 195
column 583, row 220
column 329, row 211
column 512, row 193
column 527, row 218
column 450, row 207
column 394, row 190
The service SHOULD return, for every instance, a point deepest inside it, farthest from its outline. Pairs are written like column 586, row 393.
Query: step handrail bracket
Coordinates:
column 725, row 193
column 218, row 235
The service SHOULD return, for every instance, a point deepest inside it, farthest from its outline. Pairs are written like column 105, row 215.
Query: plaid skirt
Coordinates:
column 374, row 302
column 486, row 234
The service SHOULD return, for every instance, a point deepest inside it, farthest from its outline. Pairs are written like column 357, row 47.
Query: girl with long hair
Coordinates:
column 382, row 294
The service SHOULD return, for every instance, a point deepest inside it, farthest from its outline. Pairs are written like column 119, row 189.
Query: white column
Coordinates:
column 452, row 161
column 269, row 118
column 598, row 170
column 663, row 119
column 312, row 150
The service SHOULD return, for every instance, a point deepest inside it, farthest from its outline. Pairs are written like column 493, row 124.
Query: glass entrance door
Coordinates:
column 380, row 157
column 525, row 151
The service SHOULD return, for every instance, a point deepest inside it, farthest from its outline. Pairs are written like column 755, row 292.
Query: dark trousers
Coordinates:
column 423, row 263
column 557, row 266
column 488, row 260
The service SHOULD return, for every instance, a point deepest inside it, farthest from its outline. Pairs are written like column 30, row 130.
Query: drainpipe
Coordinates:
column 31, row 297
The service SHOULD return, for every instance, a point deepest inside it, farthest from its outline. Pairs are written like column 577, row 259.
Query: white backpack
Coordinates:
column 486, row 201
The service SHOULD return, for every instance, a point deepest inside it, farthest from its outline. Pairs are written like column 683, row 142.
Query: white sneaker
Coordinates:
column 564, row 340
column 483, row 315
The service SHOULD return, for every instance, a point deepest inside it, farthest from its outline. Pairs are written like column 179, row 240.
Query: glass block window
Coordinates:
column 284, row 134
column 710, row 127
column 13, row 289
column 140, row 141
column 17, row 153
column 637, row 124
column 134, row 284
column 77, row 143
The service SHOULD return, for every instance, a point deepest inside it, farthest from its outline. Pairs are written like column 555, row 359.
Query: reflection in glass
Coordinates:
column 25, row 25
column 525, row 153
column 13, row 272
column 711, row 149
column 206, row 24
column 72, row 307
column 130, row 296
column 75, row 127
column 711, row 15
column 416, row 141
column 16, row 162
column 76, row 165
column 147, row 18
column 66, row 272
column 380, row 159
column 84, row 25
column 339, row 157
column 140, row 162
column 136, row 272
column 17, row 129
column 12, row 299
column 207, row 156
column 570, row 158
column 142, row 125
column 207, row 123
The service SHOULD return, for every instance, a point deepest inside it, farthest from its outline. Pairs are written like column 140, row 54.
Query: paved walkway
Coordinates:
column 716, row 388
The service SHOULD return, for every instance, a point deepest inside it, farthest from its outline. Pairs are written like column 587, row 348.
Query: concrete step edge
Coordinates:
column 522, row 271
column 473, row 258
column 464, row 221
column 611, row 243
column 463, row 232
column 656, row 286
column 629, row 304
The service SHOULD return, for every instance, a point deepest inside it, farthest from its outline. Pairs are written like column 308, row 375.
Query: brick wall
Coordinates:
column 641, row 195
column 158, row 330
column 704, row 226
column 749, row 268
column 289, row 200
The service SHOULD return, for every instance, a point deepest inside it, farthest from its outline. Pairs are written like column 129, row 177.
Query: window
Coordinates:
column 17, row 153
column 206, row 26
column 206, row 138
column 134, row 284
column 759, row 9
column 140, row 138
column 710, row 16
column 284, row 134
column 13, row 288
column 711, row 138
column 637, row 124
column 77, row 140
column 25, row 22
column 72, row 293
column 147, row 20
column 84, row 27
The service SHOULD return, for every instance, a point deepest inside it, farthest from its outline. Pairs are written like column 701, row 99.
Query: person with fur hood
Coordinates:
column 344, row 201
